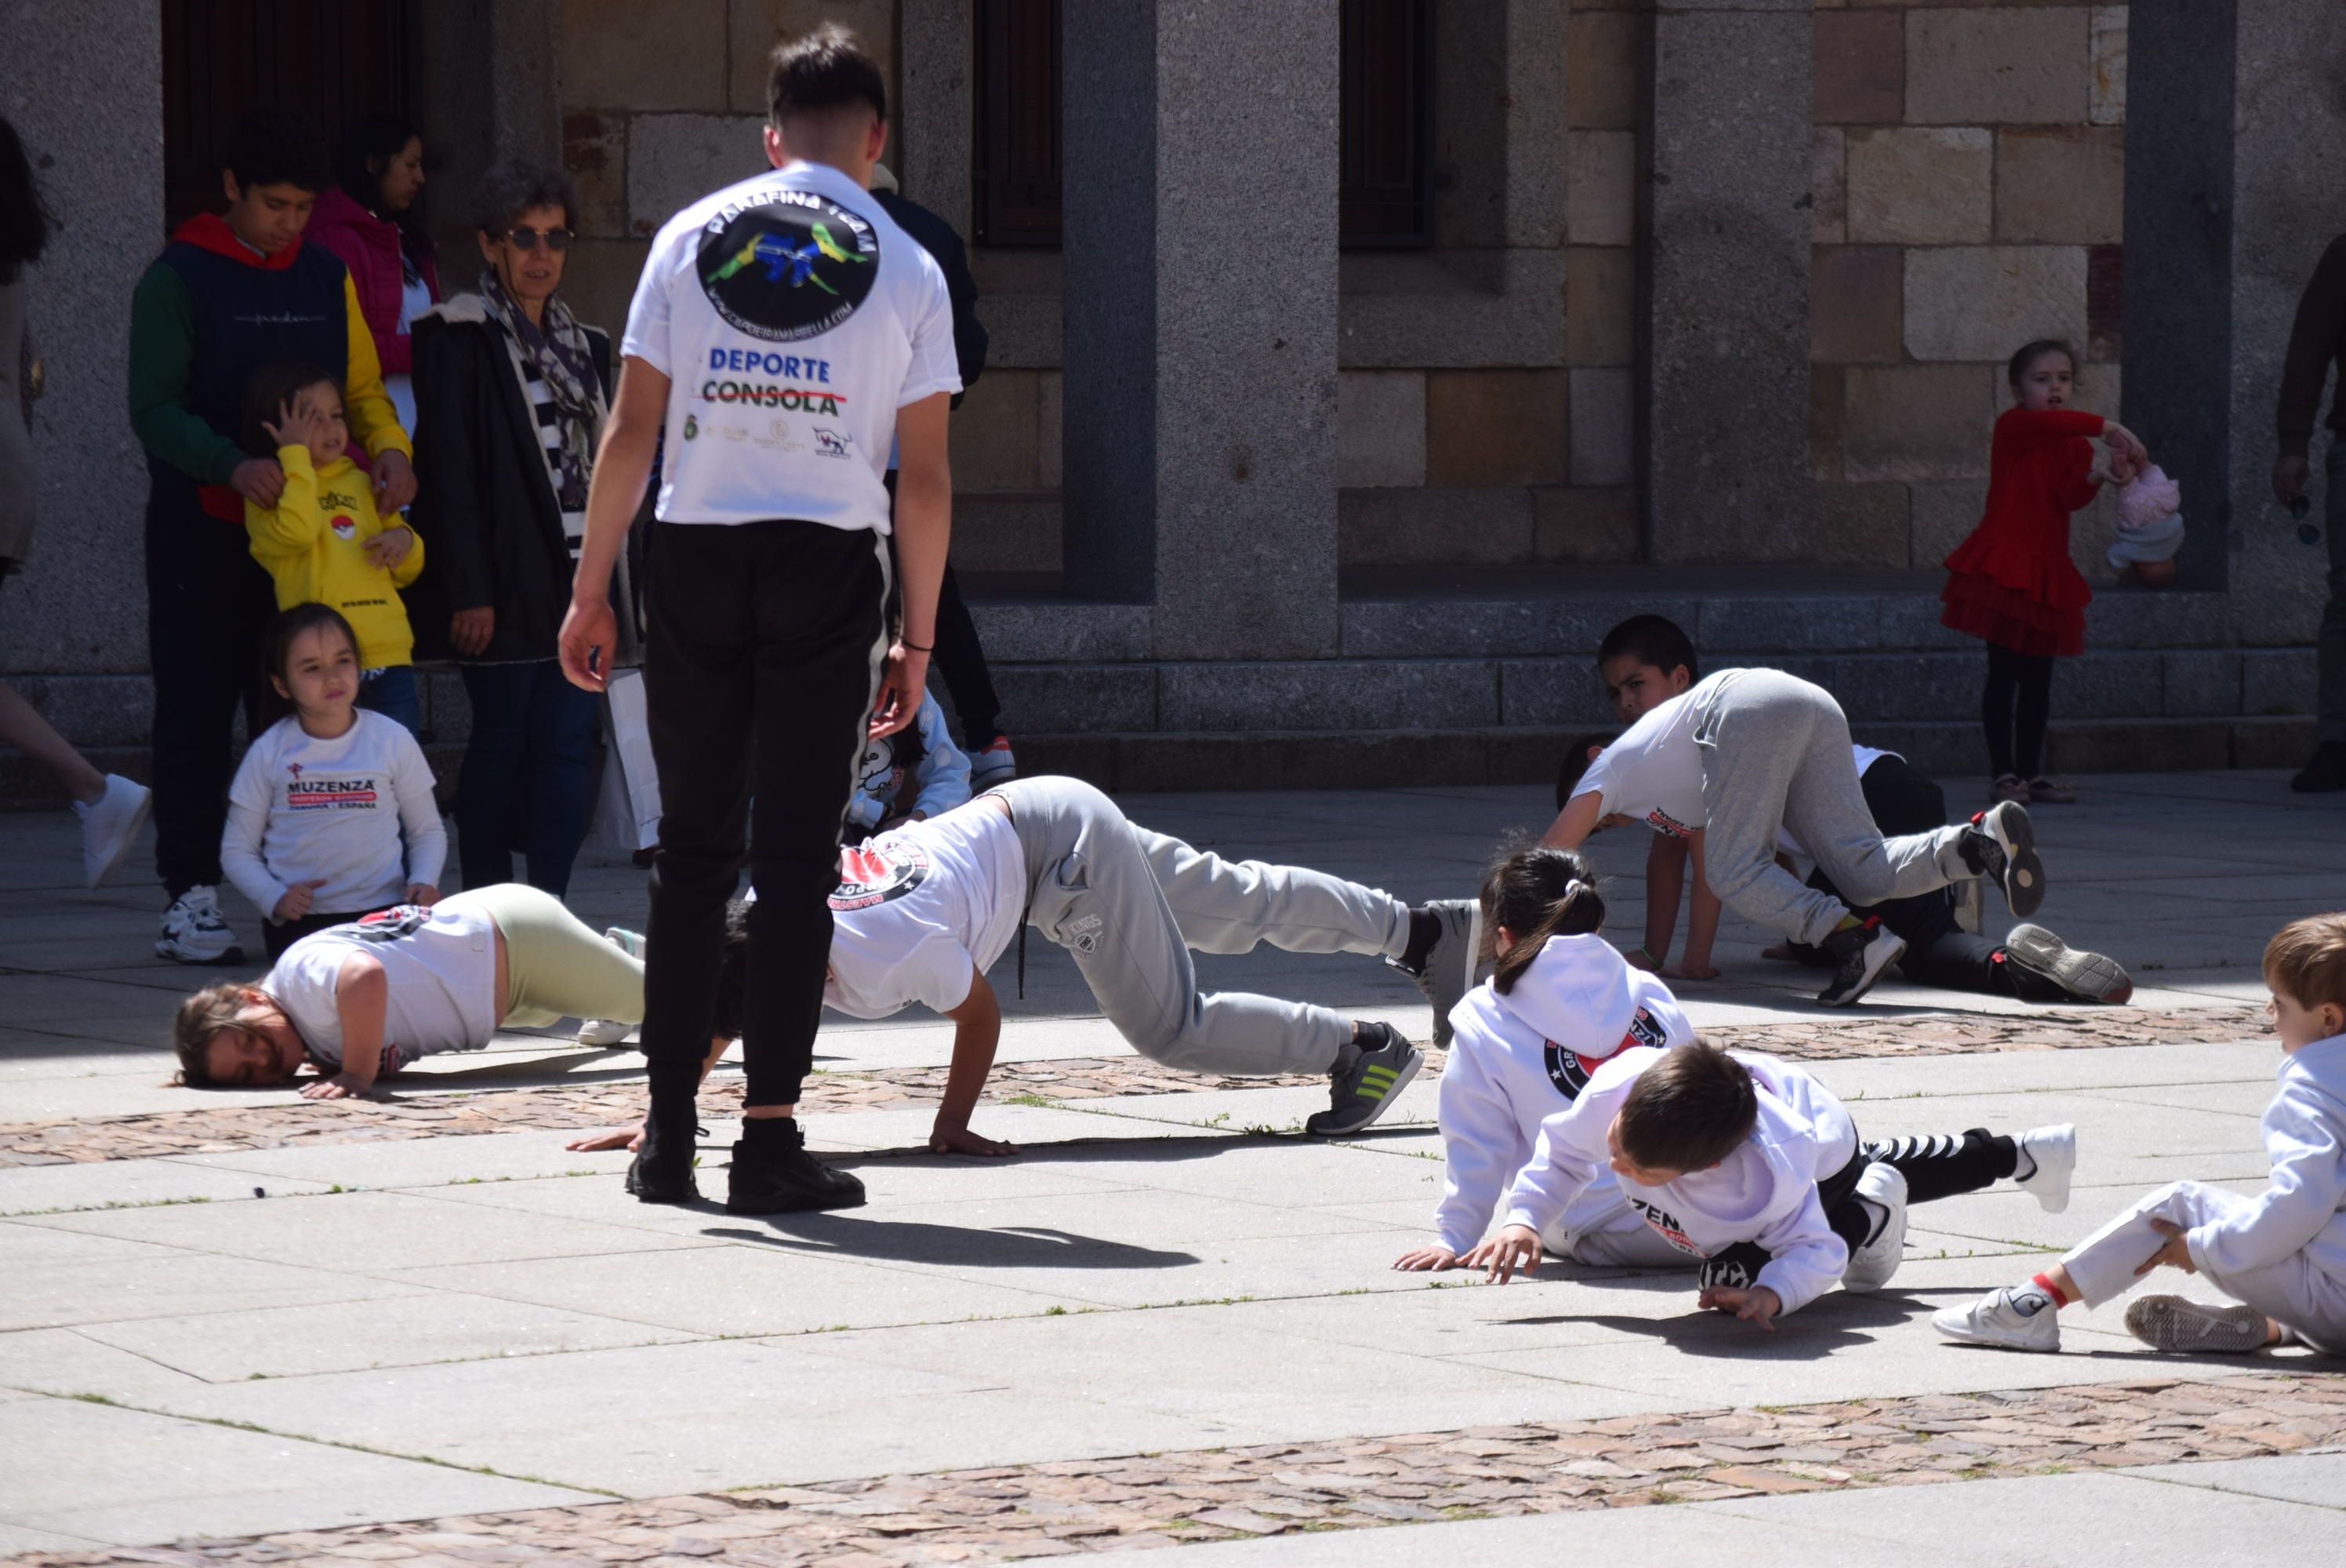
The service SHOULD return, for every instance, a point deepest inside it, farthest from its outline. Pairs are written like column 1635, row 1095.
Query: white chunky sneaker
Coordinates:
column 109, row 826
column 2016, row 1317
column 2053, row 1153
column 2179, row 1323
column 194, row 931
column 1882, row 1189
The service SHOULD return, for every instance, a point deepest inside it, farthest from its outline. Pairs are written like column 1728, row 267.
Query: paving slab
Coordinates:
column 129, row 1477
column 2318, row 1480
column 132, row 1184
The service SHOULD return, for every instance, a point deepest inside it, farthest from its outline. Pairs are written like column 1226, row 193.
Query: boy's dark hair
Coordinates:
column 273, row 386
column 1650, row 639
column 509, row 188
column 1576, row 763
column 25, row 219
column 826, row 70
column 1537, row 893
column 278, row 146
column 1688, row 1110
column 2307, row 959
column 725, row 1017
column 303, row 618
column 2029, row 353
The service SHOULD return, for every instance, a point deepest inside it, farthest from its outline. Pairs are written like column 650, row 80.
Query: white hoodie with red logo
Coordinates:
column 1518, row 1059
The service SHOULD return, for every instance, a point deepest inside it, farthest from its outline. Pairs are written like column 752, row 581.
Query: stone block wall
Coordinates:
column 661, row 104
column 1969, row 167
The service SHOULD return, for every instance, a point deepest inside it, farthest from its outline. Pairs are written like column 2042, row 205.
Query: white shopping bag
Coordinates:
column 627, row 798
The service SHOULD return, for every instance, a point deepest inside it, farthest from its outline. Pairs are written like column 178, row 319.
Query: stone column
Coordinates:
column 2236, row 130
column 1200, row 320
column 83, row 87
column 1727, row 282
column 491, row 90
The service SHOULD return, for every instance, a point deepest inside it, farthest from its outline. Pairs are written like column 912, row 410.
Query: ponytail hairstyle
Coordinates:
column 1537, row 893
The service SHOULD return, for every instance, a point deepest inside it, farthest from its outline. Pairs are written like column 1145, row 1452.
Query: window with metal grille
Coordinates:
column 1384, row 194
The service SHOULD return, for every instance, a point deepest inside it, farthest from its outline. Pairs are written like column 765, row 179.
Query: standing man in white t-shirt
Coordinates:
column 785, row 333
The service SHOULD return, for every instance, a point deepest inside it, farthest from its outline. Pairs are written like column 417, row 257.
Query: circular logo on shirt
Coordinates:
column 1570, row 1070
column 787, row 269
column 877, row 872
column 344, row 525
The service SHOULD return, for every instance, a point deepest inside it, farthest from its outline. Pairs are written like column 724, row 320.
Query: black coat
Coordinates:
column 936, row 237
column 491, row 522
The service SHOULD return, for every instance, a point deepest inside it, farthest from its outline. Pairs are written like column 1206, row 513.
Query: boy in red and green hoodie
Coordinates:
column 232, row 292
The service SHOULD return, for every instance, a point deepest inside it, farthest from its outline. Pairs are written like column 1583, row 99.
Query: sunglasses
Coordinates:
column 557, row 239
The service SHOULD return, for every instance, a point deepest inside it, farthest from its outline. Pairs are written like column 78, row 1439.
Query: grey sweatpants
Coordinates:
column 1130, row 904
column 1776, row 750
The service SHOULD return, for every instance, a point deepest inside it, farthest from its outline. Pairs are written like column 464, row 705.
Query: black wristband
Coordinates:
column 915, row 648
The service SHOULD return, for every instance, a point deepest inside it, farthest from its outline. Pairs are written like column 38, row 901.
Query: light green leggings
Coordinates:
column 556, row 965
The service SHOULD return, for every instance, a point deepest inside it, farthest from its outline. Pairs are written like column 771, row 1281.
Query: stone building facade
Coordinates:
column 1710, row 318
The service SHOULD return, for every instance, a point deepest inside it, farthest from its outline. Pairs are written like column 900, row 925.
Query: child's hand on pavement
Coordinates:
column 628, row 1139
column 387, row 549
column 1757, row 1304
column 1426, row 1260
column 340, row 1087
column 1516, row 1247
column 296, row 902
column 944, row 1140
column 2175, row 1253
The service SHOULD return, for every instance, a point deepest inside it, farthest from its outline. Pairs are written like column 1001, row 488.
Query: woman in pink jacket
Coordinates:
column 370, row 219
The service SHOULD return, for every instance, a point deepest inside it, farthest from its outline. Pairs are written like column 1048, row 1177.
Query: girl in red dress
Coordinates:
column 2012, row 583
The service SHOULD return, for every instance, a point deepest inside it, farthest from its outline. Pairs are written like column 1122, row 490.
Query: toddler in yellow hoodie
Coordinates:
column 323, row 542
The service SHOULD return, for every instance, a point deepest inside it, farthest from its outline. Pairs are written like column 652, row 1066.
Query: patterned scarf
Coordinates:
column 560, row 356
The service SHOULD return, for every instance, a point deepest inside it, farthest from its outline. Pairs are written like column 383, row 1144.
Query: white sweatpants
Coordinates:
column 2291, row 1292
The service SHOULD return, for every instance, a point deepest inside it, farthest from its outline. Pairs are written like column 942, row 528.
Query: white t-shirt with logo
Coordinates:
column 922, row 910
column 793, row 319
column 440, row 966
column 356, row 810
column 1653, row 773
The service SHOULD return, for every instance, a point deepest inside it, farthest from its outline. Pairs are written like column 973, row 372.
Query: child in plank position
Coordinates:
column 361, row 1001
column 2280, row 1254
column 1559, row 1004
column 1751, row 1165
column 1739, row 755
column 1647, row 660
column 921, row 913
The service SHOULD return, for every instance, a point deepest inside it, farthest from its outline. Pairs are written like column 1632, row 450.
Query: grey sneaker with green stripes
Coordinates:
column 1360, row 1091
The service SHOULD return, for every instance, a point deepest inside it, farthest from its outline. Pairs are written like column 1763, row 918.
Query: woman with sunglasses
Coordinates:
column 510, row 395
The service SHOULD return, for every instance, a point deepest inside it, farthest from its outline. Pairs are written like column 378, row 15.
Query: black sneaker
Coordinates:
column 1446, row 972
column 773, row 1174
column 2072, row 972
column 661, row 1171
column 2001, row 845
column 2324, row 772
column 1358, row 1094
column 1859, row 954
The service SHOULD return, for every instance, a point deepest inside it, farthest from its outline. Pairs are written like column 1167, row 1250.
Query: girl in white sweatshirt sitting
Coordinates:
column 1559, row 1003
column 331, row 815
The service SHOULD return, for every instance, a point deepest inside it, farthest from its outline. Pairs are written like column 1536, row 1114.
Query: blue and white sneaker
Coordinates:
column 995, row 764
column 194, row 931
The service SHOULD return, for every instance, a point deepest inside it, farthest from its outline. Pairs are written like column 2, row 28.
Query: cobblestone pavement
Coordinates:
column 577, row 1107
column 1064, row 1508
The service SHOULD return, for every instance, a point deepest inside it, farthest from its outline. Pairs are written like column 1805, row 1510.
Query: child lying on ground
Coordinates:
column 1749, row 1164
column 2281, row 1254
column 1747, row 753
column 1559, row 1004
column 359, row 1002
column 1647, row 660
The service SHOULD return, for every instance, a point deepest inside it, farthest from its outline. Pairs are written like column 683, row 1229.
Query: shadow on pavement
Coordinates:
column 918, row 1241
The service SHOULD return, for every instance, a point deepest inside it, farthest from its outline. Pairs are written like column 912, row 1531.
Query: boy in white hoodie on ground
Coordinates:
column 1749, row 1164
column 2281, row 1254
column 1560, row 1002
